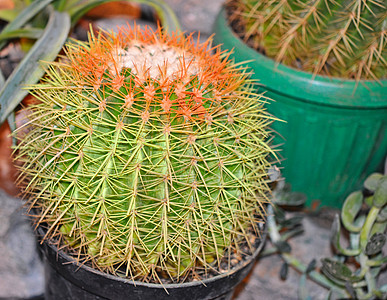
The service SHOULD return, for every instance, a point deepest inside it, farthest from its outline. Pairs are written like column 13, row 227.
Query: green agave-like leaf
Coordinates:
column 168, row 18
column 32, row 33
column 335, row 239
column 30, row 70
column 375, row 244
column 372, row 181
column 351, row 208
column 24, row 17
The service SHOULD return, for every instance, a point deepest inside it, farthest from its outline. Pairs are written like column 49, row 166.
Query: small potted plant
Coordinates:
column 145, row 161
column 358, row 239
column 324, row 64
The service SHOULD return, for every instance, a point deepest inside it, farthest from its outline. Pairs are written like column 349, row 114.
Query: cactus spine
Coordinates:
column 337, row 38
column 146, row 154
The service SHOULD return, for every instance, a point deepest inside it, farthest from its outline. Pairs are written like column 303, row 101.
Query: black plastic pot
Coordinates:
column 66, row 279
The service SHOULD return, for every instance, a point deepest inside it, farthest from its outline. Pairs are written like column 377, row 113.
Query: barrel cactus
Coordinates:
column 147, row 155
column 344, row 39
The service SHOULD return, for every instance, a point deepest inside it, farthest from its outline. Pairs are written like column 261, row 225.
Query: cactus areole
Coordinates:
column 147, row 155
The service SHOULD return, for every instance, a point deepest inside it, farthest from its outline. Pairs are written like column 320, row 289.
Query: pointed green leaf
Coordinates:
column 29, row 71
column 351, row 208
column 167, row 17
column 31, row 33
column 24, row 17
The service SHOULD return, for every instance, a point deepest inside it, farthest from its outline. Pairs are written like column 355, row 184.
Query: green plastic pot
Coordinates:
column 335, row 132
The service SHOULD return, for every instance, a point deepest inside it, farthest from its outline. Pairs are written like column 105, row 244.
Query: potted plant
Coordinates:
column 358, row 238
column 42, row 28
column 145, row 161
column 324, row 64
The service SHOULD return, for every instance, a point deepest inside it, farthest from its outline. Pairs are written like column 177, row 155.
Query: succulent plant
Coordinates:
column 337, row 38
column 354, row 271
column 147, row 154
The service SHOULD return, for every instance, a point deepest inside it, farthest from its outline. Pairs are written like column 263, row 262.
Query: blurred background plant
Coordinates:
column 353, row 271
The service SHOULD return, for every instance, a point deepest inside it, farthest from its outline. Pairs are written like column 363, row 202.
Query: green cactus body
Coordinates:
column 146, row 153
column 337, row 38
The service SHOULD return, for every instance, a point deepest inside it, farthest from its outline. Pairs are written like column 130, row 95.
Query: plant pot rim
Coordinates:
column 245, row 262
column 300, row 84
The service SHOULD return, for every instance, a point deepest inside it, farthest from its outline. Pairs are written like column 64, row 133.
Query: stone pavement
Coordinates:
column 21, row 272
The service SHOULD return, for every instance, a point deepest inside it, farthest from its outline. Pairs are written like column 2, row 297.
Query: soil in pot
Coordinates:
column 67, row 279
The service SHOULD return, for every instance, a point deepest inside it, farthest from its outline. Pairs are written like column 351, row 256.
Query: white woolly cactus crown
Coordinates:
column 147, row 154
